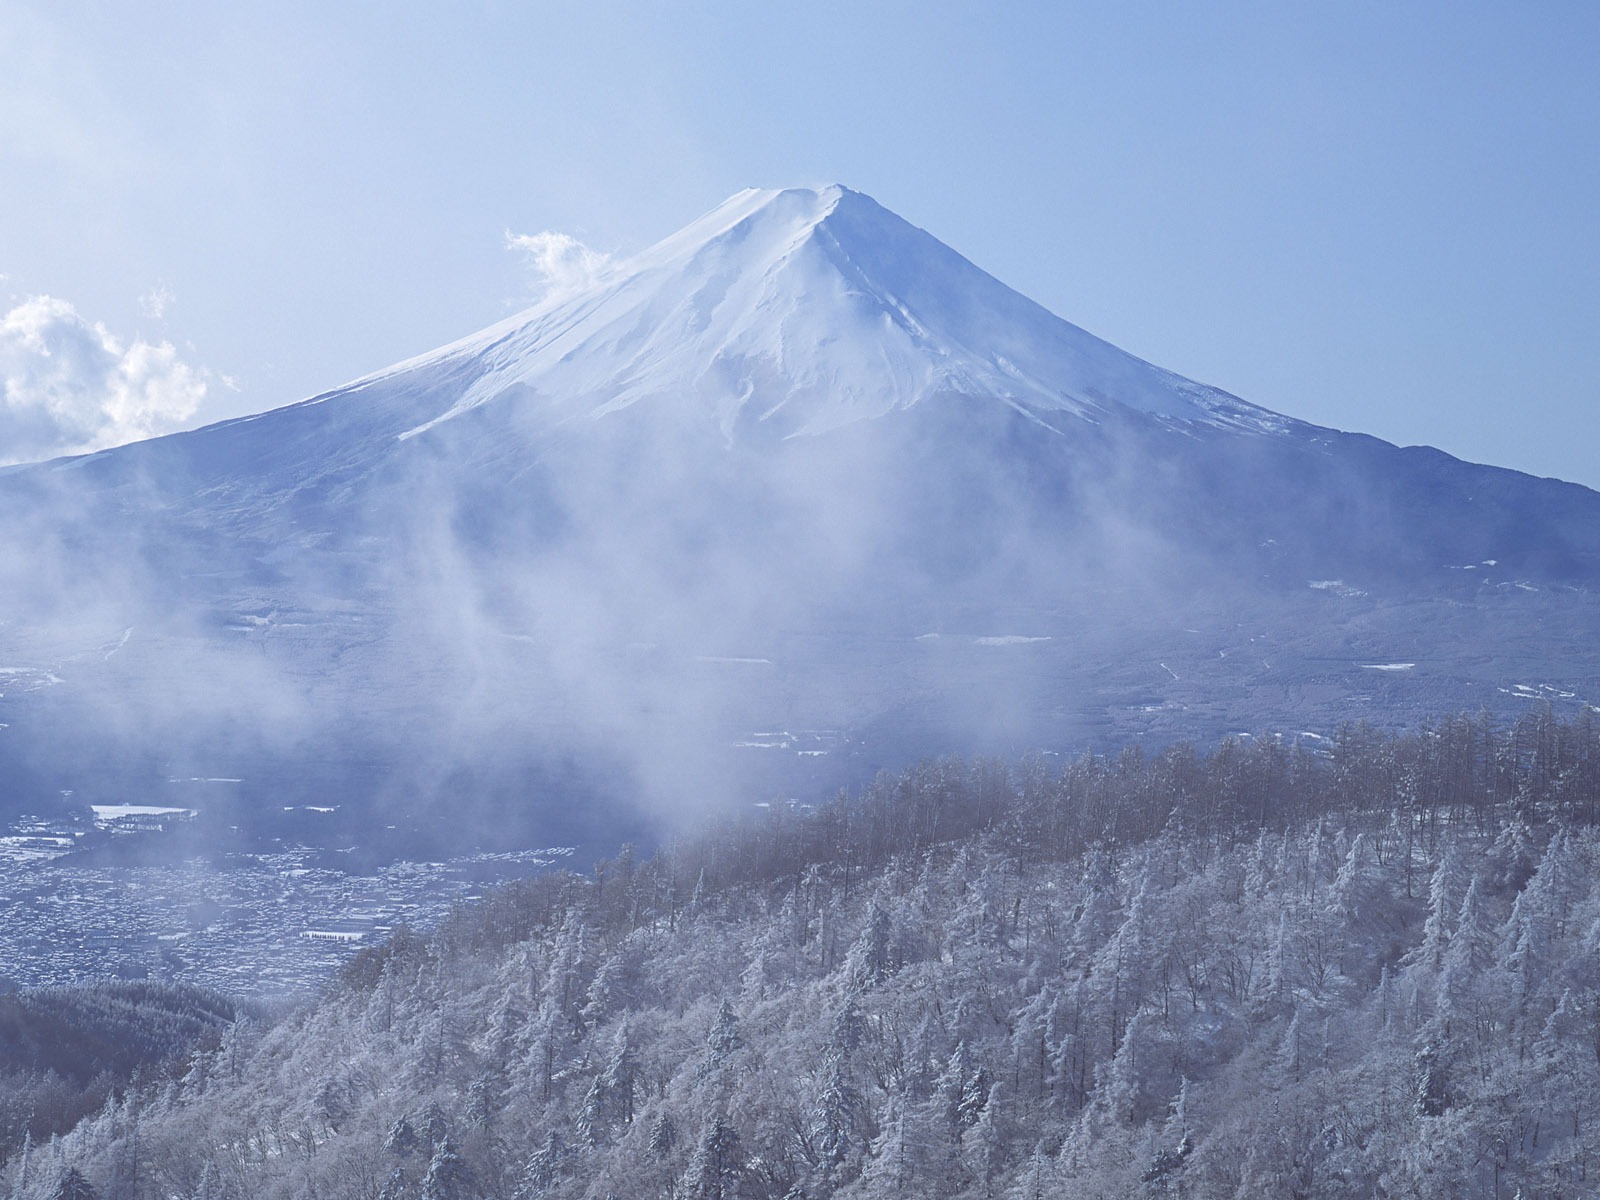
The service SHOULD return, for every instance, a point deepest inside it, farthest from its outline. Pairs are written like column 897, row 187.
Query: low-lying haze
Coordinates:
column 797, row 494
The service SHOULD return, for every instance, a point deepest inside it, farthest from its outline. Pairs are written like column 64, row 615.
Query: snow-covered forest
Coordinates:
column 1366, row 966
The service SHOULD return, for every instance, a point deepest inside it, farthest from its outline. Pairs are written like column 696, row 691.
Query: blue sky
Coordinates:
column 1378, row 217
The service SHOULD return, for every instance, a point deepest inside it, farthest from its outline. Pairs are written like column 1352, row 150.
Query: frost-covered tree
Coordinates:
column 609, row 1102
column 717, row 1167
column 1445, row 891
column 1143, row 976
column 543, row 1170
column 840, row 1125
column 73, row 1186
column 401, row 1139
column 449, row 1177
column 722, row 1040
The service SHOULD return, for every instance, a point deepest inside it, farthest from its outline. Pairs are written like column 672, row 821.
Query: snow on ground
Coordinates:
column 805, row 743
column 34, row 848
column 1538, row 691
column 1337, row 586
column 115, row 812
column 121, row 642
column 28, row 678
column 997, row 639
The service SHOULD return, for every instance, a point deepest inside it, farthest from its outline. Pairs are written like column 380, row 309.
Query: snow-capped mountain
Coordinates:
column 798, row 312
column 797, row 492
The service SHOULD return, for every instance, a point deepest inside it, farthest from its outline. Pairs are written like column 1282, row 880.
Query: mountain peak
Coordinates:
column 798, row 210
column 804, row 309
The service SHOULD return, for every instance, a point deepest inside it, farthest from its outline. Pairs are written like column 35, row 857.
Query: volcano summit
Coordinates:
column 797, row 493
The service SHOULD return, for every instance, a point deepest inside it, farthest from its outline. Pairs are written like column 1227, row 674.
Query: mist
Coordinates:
column 787, row 501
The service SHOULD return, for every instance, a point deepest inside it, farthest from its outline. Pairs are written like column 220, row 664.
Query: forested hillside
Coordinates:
column 1364, row 967
column 65, row 1051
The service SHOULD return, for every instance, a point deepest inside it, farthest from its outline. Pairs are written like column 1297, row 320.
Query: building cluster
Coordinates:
column 250, row 925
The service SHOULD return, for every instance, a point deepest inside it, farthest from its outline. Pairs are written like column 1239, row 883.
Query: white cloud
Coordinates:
column 559, row 262
column 156, row 301
column 68, row 386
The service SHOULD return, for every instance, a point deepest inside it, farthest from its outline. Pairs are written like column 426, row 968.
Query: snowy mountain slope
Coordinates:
column 795, row 493
column 802, row 311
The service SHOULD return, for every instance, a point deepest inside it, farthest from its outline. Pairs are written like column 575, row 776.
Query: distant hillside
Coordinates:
column 1370, row 968
column 66, row 1052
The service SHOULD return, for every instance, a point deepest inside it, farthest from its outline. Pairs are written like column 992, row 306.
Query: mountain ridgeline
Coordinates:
column 1366, row 968
column 794, row 495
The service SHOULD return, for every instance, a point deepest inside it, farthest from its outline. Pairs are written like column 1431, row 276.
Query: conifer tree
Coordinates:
column 73, row 1186
column 1445, row 890
column 839, row 1123
column 449, row 1177
column 716, row 1166
column 394, row 1187
column 401, row 1138
column 722, row 1039
column 663, row 1135
column 543, row 1169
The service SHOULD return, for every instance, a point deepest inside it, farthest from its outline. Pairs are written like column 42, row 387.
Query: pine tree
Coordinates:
column 395, row 1186
column 543, row 1169
column 716, row 1166
column 20, row 1186
column 449, row 1177
column 1445, row 890
column 73, row 1186
column 485, row 1098
column 1034, row 1182
column 402, row 1139
column 722, row 1039
column 849, row 1028
column 1432, row 1081
column 839, row 1120
column 1466, row 958
column 983, row 1146
column 434, row 1124
column 663, row 1135
column 903, row 1154
column 868, row 963
column 619, row 1078
column 1163, row 1173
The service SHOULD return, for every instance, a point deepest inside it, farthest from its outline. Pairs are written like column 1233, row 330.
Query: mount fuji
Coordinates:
column 793, row 495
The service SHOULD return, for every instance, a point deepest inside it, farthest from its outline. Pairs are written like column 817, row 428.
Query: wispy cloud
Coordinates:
column 156, row 301
column 69, row 386
column 559, row 263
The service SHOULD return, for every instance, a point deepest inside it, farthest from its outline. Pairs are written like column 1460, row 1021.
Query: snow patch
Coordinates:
column 1337, row 586
column 1538, row 691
